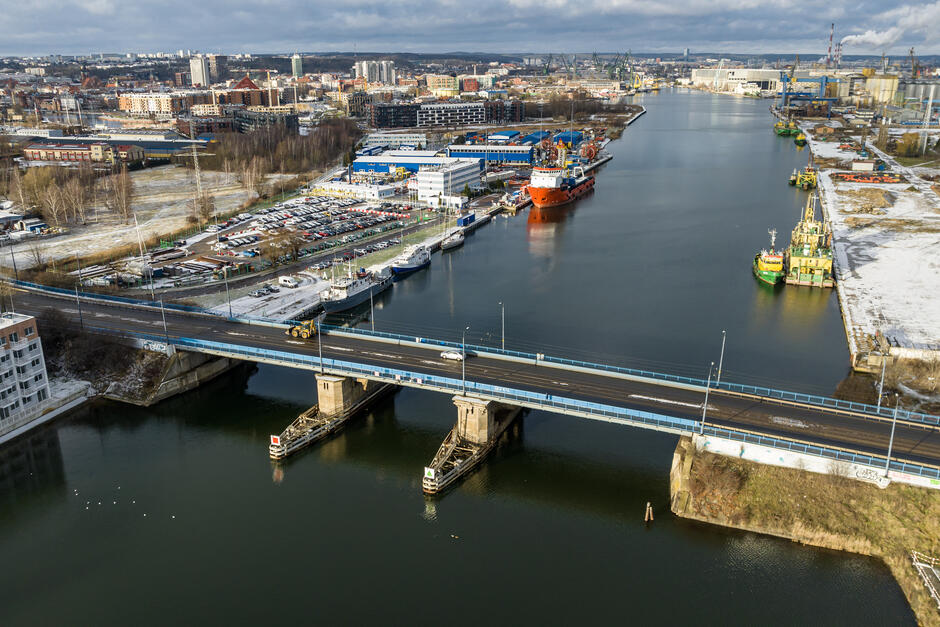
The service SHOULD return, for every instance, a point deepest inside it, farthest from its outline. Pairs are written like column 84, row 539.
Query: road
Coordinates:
column 913, row 442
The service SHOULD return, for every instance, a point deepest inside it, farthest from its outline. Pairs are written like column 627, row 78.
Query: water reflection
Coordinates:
column 29, row 466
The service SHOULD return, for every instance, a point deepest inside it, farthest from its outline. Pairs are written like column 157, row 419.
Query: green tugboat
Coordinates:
column 804, row 179
column 786, row 129
column 768, row 264
column 800, row 140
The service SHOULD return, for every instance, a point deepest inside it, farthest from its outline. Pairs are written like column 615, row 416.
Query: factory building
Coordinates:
column 734, row 79
column 493, row 153
column 394, row 160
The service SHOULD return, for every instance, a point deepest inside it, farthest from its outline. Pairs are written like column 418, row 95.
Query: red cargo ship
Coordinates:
column 551, row 187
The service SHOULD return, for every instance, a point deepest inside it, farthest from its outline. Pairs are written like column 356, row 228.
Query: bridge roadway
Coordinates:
column 914, row 442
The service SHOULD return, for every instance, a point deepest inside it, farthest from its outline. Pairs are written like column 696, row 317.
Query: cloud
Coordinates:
column 259, row 26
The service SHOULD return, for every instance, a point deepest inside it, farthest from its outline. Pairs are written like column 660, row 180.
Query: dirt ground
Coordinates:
column 161, row 204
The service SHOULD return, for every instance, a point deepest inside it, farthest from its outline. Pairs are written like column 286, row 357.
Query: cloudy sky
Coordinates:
column 80, row 26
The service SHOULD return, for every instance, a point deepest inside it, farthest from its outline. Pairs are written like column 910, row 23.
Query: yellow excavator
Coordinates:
column 305, row 330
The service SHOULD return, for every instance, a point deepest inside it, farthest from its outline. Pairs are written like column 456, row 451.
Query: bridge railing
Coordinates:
column 680, row 426
column 741, row 388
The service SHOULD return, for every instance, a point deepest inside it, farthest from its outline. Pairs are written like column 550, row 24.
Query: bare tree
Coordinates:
column 52, row 203
column 36, row 253
column 204, row 207
column 75, row 194
column 119, row 194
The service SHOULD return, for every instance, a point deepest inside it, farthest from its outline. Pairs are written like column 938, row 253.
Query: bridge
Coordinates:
column 492, row 384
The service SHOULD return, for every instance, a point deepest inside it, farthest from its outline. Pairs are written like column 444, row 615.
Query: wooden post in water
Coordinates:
column 648, row 517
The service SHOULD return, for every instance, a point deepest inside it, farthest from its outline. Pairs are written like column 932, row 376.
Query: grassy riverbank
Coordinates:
column 829, row 511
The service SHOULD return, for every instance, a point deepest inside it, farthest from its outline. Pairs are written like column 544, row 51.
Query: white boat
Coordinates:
column 348, row 291
column 413, row 258
column 452, row 241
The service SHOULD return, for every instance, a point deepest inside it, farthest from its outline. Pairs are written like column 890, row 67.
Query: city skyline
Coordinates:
column 731, row 26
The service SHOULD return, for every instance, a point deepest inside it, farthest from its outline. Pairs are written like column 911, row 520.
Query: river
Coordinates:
column 120, row 514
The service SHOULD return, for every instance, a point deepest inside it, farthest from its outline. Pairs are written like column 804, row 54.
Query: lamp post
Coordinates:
column 721, row 359
column 166, row 333
column 227, row 296
column 78, row 301
column 881, row 384
column 894, row 422
column 705, row 405
column 320, row 345
column 371, row 309
column 502, row 309
column 463, row 361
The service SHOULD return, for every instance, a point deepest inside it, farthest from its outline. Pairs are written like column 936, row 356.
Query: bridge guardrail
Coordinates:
column 681, row 426
column 798, row 397
column 741, row 388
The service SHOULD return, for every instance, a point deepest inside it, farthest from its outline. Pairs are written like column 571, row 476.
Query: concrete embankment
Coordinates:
column 829, row 511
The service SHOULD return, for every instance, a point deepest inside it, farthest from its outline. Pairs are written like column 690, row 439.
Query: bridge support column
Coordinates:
column 338, row 400
column 479, row 424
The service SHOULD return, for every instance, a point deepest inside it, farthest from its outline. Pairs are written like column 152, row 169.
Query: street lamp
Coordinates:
column 881, row 384
column 227, row 297
column 894, row 423
column 166, row 333
column 502, row 309
column 721, row 359
column 320, row 344
column 705, row 405
column 463, row 361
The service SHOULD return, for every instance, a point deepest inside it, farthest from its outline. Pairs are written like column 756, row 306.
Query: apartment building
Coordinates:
column 24, row 385
column 451, row 114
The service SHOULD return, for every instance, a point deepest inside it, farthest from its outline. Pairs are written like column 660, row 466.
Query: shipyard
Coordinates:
column 279, row 310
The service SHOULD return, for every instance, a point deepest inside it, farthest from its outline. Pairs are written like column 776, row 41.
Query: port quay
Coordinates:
column 603, row 366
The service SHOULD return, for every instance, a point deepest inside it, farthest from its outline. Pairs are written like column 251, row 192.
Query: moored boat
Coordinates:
column 768, row 264
column 412, row 259
column 552, row 186
column 348, row 291
column 452, row 241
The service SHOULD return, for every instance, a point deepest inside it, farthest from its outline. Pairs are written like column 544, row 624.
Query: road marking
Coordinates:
column 340, row 348
column 558, row 382
column 296, row 342
column 666, row 401
column 382, row 355
column 789, row 422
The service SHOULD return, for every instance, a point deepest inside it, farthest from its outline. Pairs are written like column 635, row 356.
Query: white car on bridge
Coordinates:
column 453, row 355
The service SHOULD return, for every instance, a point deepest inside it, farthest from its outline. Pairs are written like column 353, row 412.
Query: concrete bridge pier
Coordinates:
column 479, row 424
column 338, row 400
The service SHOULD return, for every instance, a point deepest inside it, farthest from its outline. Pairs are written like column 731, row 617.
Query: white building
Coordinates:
column 376, row 71
column 437, row 184
column 296, row 66
column 396, row 140
column 734, row 79
column 24, row 386
column 367, row 191
column 199, row 70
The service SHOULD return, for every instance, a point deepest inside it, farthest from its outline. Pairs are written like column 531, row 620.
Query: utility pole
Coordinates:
column 371, row 310
column 705, row 405
column 894, row 423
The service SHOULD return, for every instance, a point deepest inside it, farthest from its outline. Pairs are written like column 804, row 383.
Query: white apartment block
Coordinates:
column 376, row 71
column 199, row 71
column 24, row 385
column 446, row 181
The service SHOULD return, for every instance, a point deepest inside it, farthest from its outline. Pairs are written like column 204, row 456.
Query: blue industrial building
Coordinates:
column 570, row 137
column 493, row 153
column 534, row 138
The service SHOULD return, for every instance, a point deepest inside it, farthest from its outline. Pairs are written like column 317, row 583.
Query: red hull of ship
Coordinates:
column 543, row 197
